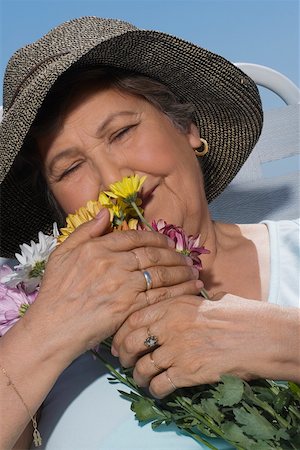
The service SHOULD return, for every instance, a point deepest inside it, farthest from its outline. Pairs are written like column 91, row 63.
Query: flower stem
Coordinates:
column 133, row 204
column 204, row 294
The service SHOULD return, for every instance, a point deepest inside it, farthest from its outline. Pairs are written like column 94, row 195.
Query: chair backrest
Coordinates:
column 267, row 186
column 272, row 80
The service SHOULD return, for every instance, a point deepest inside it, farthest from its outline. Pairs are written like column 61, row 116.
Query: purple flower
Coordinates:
column 14, row 303
column 188, row 245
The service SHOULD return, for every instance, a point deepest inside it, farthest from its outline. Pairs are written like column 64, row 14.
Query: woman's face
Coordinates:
column 108, row 134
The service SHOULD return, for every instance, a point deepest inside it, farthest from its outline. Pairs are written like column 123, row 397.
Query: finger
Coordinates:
column 153, row 296
column 133, row 239
column 155, row 318
column 89, row 230
column 167, row 276
column 164, row 383
column 130, row 337
column 146, row 257
column 135, row 344
column 149, row 366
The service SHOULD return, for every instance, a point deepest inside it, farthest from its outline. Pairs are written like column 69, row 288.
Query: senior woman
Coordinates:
column 91, row 102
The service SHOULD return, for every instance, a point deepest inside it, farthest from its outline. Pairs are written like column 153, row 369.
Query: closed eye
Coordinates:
column 69, row 171
column 122, row 132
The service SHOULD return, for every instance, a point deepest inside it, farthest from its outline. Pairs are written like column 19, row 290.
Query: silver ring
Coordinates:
column 148, row 279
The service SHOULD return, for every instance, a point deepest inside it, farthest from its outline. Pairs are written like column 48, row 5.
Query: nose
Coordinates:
column 110, row 171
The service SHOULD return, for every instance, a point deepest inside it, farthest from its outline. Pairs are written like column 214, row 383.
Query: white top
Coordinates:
column 284, row 286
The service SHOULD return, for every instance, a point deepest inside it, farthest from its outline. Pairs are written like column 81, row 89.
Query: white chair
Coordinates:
column 267, row 186
column 272, row 80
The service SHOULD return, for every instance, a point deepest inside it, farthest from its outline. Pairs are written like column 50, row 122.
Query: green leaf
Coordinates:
column 235, row 434
column 264, row 394
column 282, row 434
column 209, row 407
column 295, row 410
column 156, row 424
column 146, row 410
column 231, row 390
column 295, row 389
column 295, row 440
column 206, row 431
column 261, row 445
column 131, row 396
column 254, row 424
column 282, row 401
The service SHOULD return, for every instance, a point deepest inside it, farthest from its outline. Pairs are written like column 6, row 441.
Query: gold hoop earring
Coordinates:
column 204, row 151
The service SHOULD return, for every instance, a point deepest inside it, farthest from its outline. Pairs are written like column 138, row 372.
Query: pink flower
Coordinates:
column 14, row 302
column 188, row 245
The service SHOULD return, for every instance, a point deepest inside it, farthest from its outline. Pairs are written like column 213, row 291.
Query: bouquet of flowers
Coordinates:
column 260, row 415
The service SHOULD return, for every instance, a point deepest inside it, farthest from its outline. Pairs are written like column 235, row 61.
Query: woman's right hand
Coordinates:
column 94, row 281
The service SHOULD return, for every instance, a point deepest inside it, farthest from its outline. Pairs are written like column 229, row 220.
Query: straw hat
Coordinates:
column 227, row 104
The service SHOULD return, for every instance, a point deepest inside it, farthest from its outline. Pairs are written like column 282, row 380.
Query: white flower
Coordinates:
column 33, row 259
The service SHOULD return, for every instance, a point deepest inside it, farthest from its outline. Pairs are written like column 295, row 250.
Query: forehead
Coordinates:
column 90, row 106
column 93, row 112
column 104, row 100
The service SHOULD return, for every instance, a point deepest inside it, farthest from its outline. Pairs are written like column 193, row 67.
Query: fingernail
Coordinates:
column 100, row 214
column 114, row 351
column 199, row 284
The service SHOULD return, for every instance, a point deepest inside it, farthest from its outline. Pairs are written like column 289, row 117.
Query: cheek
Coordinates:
column 158, row 162
column 73, row 196
column 155, row 155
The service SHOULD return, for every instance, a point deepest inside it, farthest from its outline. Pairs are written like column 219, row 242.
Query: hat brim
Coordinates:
column 227, row 105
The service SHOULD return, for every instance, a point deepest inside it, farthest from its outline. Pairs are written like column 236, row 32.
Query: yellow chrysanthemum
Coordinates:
column 124, row 226
column 84, row 214
column 127, row 189
column 117, row 208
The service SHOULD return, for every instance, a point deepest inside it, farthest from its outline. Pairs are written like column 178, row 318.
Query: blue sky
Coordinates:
column 257, row 31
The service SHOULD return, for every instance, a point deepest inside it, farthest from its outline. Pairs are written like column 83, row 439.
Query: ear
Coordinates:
column 193, row 136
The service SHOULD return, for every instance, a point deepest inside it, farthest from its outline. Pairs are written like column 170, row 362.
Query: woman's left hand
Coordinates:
column 199, row 340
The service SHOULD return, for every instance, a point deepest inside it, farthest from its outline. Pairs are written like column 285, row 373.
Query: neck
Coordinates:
column 232, row 265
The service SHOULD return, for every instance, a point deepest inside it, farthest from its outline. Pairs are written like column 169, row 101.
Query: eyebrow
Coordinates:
column 72, row 151
column 101, row 128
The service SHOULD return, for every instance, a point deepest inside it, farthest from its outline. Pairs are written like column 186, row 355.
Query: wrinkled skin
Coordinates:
column 199, row 340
